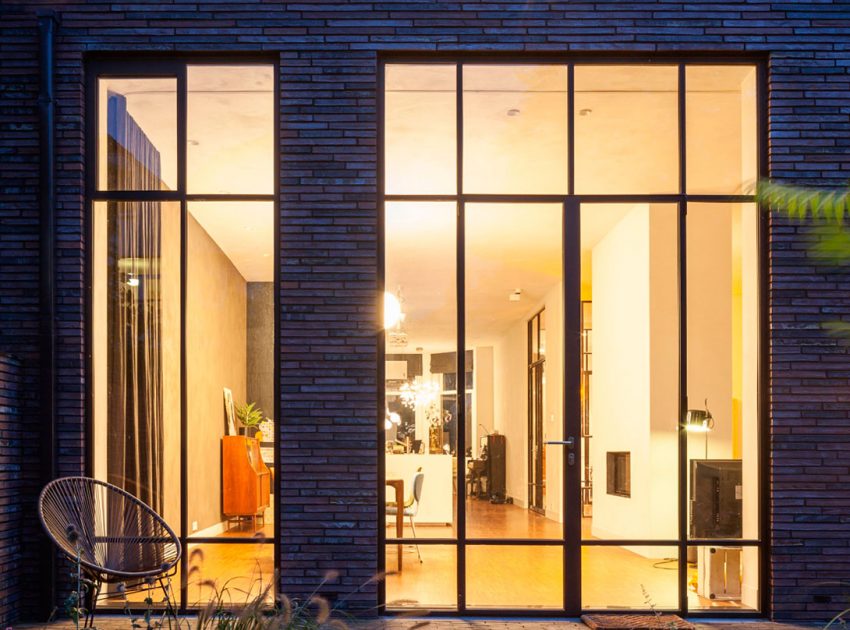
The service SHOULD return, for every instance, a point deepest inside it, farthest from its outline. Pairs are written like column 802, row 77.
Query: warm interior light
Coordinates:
column 391, row 418
column 699, row 421
column 392, row 310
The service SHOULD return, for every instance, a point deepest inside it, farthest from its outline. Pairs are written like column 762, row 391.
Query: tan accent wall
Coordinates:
column 216, row 342
column 170, row 286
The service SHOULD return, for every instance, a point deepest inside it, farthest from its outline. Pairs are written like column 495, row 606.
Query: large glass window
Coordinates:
column 570, row 413
column 626, row 129
column 183, row 312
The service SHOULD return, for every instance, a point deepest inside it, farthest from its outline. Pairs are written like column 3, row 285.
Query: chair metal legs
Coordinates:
column 413, row 527
column 166, row 590
column 92, row 593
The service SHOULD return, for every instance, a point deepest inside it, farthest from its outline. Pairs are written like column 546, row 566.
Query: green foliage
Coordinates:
column 249, row 415
column 799, row 203
column 827, row 213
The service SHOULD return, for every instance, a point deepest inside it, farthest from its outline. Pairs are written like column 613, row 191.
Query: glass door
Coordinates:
column 529, row 209
column 513, row 273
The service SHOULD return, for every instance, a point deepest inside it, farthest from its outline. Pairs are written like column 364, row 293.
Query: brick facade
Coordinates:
column 13, row 433
column 328, row 126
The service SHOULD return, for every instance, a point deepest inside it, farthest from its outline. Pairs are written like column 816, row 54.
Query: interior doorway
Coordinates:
column 536, row 413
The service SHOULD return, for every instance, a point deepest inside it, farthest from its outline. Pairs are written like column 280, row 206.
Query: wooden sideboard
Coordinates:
column 246, row 480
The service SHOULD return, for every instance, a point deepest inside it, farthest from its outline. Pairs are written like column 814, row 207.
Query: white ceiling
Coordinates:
column 244, row 230
column 508, row 247
column 230, row 150
column 515, row 142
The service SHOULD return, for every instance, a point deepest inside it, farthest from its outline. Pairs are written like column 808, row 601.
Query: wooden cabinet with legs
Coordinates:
column 246, row 480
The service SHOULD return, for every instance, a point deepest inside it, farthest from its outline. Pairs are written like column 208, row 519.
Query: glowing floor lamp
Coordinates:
column 700, row 421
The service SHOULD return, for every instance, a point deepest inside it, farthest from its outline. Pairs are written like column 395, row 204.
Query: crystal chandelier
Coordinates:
column 414, row 394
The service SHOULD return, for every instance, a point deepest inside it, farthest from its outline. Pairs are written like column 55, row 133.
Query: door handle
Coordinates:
column 570, row 442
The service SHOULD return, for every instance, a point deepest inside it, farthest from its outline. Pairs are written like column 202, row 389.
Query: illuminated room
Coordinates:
column 605, row 421
column 207, row 247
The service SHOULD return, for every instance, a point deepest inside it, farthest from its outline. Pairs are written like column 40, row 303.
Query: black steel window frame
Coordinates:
column 124, row 65
column 572, row 542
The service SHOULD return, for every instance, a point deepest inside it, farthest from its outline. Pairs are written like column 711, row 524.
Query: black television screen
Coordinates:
column 716, row 498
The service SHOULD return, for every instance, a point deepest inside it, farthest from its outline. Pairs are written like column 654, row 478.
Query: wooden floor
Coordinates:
column 237, row 572
column 498, row 576
column 525, row 576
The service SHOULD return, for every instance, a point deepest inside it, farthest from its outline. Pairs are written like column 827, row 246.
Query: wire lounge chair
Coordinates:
column 117, row 538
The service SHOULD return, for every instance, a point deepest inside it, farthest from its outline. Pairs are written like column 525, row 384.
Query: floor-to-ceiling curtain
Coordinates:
column 135, row 374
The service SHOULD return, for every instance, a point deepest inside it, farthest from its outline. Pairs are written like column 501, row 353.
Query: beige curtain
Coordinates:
column 135, row 375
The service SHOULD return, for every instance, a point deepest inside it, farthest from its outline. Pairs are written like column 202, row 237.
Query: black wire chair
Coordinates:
column 117, row 538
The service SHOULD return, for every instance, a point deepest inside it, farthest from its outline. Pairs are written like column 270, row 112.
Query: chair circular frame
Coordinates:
column 165, row 567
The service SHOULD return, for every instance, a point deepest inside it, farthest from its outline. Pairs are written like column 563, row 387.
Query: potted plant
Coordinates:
column 250, row 417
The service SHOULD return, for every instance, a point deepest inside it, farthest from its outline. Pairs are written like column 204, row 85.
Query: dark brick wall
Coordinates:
column 19, row 303
column 328, row 57
column 13, row 432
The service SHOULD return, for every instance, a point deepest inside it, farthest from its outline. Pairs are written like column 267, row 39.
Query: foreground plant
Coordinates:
column 827, row 213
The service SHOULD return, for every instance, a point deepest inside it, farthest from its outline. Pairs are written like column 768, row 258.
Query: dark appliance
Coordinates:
column 496, row 482
column 716, row 498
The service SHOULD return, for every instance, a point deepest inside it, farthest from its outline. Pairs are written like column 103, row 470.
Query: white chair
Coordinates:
column 411, row 505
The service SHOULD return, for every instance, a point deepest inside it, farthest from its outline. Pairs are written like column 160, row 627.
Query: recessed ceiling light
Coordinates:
column 513, row 112
column 585, row 112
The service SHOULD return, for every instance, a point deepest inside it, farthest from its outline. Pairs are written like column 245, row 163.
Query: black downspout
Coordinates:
column 47, row 300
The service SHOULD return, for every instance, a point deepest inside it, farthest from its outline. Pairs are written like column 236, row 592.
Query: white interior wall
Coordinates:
column 510, row 407
column 633, row 401
column 619, row 398
column 710, row 329
column 663, row 372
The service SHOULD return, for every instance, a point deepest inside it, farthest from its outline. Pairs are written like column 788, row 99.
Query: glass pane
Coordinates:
column 230, row 129
column 721, row 129
column 137, row 134
column 629, row 578
column 630, row 449
column 626, row 129
column 514, row 576
column 513, row 271
column 515, row 129
column 723, row 578
column 136, row 351
column 230, row 364
column 431, row 583
column 420, row 418
column 230, row 574
column 420, row 134
column 723, row 346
